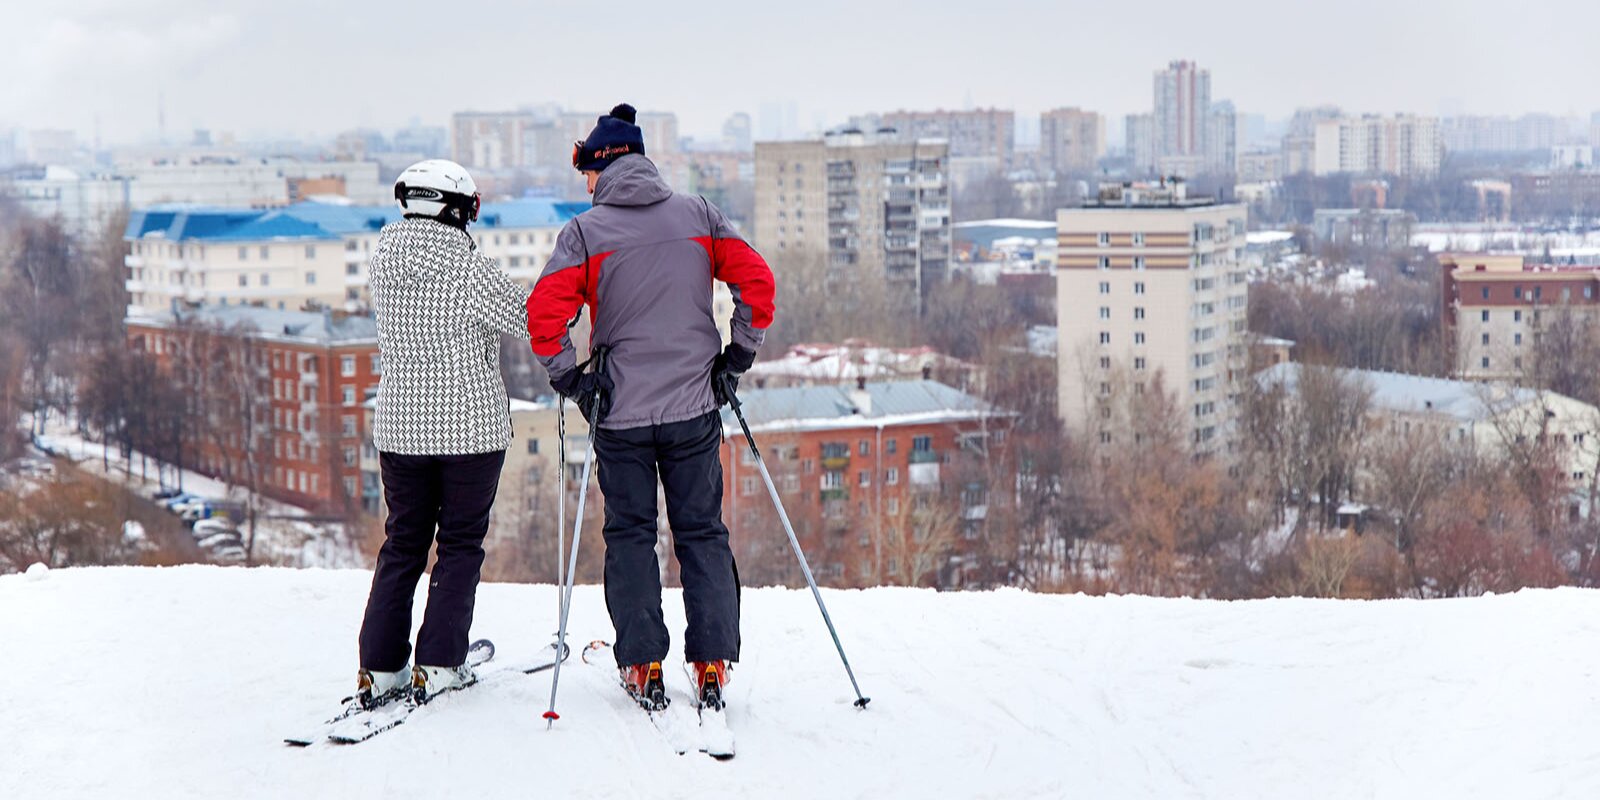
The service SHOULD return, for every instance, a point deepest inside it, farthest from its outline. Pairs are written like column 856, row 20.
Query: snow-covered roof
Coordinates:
column 1267, row 237
column 849, row 362
column 271, row 323
column 829, row 407
column 1466, row 401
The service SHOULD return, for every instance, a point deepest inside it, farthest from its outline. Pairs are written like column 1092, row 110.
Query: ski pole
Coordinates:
column 561, row 500
column 794, row 542
column 599, row 365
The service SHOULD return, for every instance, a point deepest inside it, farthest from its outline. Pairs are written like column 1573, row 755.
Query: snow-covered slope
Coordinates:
column 176, row 683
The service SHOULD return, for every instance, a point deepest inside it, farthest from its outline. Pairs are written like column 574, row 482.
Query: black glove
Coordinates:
column 734, row 362
column 591, row 391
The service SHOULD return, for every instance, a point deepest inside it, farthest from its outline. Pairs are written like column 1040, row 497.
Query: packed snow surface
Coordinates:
column 181, row 682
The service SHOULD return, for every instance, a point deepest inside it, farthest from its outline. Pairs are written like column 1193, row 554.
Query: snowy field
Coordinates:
column 180, row 683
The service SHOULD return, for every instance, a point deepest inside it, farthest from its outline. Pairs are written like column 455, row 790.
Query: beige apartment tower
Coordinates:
column 860, row 206
column 1071, row 140
column 1150, row 282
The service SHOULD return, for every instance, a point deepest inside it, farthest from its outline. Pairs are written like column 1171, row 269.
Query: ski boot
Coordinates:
column 643, row 683
column 709, row 678
column 374, row 689
column 430, row 682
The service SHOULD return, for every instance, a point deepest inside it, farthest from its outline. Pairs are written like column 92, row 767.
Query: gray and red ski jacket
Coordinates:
column 643, row 260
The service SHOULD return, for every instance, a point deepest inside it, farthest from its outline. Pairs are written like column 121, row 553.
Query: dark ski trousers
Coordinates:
column 450, row 495
column 684, row 456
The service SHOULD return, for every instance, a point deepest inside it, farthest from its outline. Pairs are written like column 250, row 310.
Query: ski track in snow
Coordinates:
column 181, row 682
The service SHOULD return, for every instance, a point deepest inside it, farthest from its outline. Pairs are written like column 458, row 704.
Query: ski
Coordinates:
column 355, row 724
column 715, row 736
column 657, row 708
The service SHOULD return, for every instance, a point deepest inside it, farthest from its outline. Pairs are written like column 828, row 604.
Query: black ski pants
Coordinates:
column 683, row 455
column 450, row 495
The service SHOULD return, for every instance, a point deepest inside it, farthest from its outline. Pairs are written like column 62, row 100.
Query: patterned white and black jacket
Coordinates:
column 441, row 307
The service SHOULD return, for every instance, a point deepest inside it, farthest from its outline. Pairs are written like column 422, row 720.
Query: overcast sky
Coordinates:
column 303, row 67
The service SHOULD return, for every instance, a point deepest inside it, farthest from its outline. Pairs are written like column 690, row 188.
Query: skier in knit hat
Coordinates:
column 643, row 261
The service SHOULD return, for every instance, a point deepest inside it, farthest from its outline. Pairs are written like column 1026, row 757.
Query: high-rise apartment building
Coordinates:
column 1071, row 140
column 1151, row 283
column 1371, row 144
column 1222, row 139
column 985, row 133
column 1300, row 143
column 490, row 140
column 1182, row 109
column 1139, row 135
column 862, row 206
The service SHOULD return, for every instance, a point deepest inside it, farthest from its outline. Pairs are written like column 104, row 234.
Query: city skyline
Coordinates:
column 238, row 71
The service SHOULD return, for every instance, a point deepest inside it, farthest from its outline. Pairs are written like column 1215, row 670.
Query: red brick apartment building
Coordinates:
column 869, row 476
column 311, row 372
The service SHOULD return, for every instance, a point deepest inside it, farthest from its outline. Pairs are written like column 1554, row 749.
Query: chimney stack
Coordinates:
column 860, row 398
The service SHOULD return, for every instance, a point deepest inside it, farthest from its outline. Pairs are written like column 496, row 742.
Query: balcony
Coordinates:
column 835, row 495
column 924, row 457
column 833, row 463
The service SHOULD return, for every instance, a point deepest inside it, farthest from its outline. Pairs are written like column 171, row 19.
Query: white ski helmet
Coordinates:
column 438, row 188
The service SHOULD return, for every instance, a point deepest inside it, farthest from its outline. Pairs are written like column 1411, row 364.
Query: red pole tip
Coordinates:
column 551, row 715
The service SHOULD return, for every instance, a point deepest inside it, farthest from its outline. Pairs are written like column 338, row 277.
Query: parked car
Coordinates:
column 228, row 553
column 207, row 527
column 220, row 541
column 196, row 511
column 176, row 502
column 165, row 494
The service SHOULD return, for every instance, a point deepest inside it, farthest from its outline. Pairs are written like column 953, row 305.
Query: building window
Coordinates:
column 533, row 447
column 1105, row 389
column 1516, row 315
column 1485, row 362
column 311, row 279
column 1138, row 263
column 349, row 456
column 832, row 479
column 891, row 476
column 922, row 444
column 1138, row 337
column 1105, row 287
column 1138, row 362
column 377, row 365
column 244, row 280
column 892, row 505
column 1138, row 287
column 1486, row 315
column 1138, row 239
column 1138, row 312
column 1105, row 312
column 1105, row 362
column 265, row 280
column 1104, row 240
column 1486, row 293
column 1105, row 262
column 864, row 479
column 347, row 366
column 311, row 251
column 1105, row 437
column 352, row 270
column 1105, row 337
column 891, row 446
column 349, row 395
column 1516, row 292
column 349, row 425
column 864, row 447
column 1486, row 340
column 1517, row 339
column 747, row 486
column 263, row 252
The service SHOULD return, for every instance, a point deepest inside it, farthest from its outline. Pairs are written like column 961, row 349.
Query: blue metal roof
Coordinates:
column 313, row 220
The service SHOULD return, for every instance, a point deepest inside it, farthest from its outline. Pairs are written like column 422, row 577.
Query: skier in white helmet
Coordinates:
column 441, row 428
